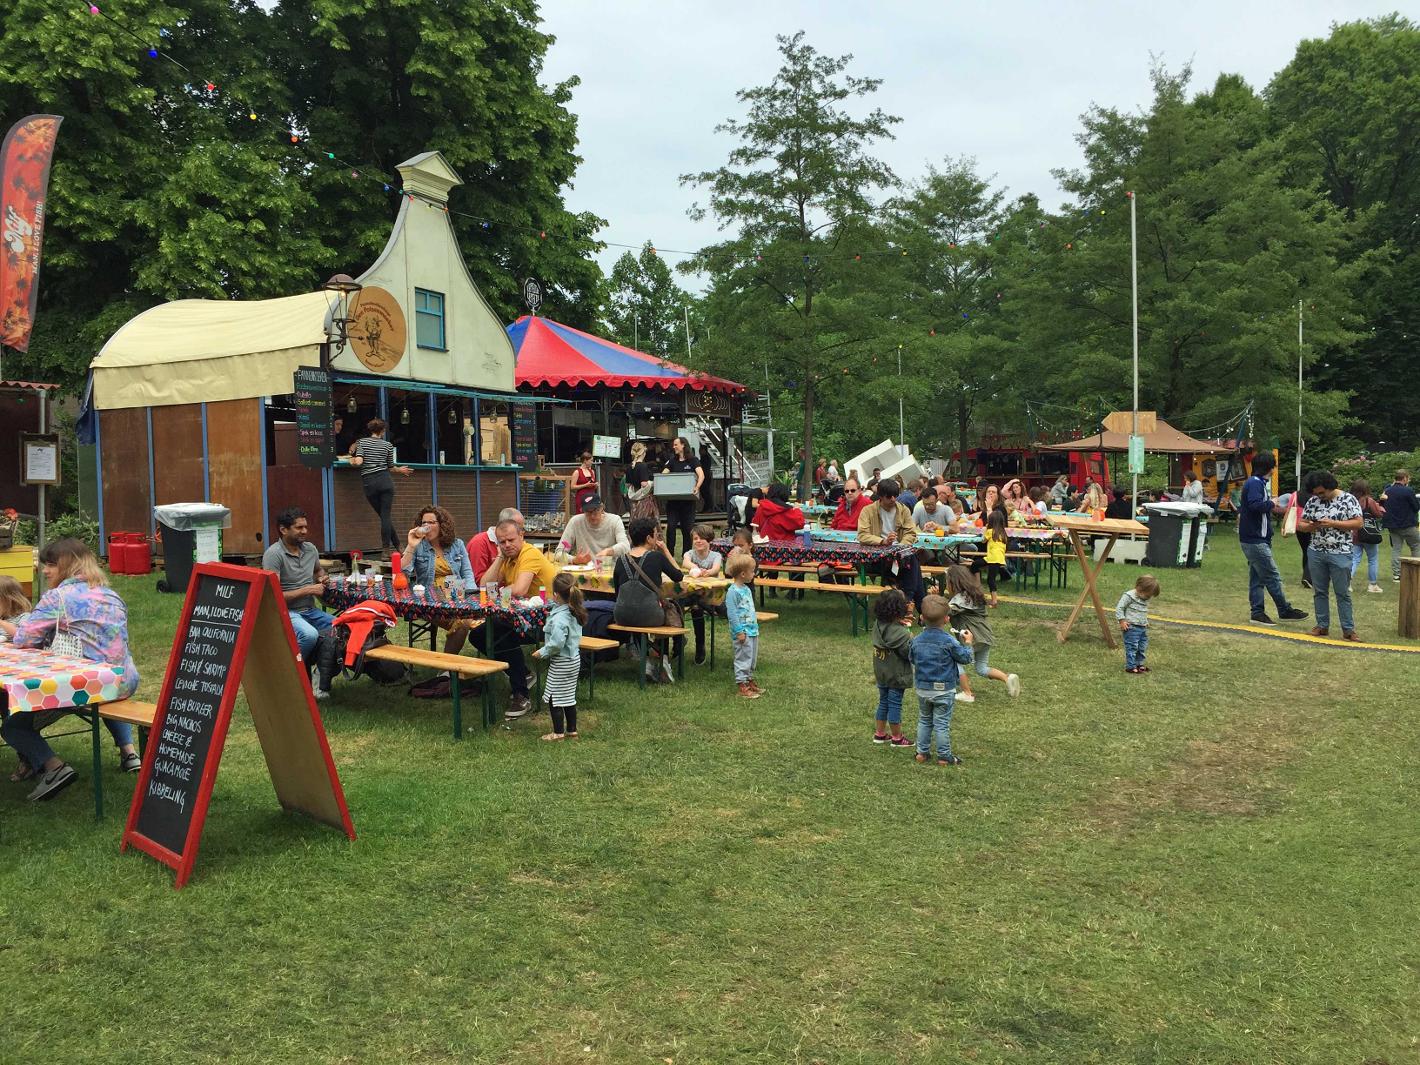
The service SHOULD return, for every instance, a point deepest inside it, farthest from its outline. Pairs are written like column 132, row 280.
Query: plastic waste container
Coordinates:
column 1177, row 533
column 191, row 532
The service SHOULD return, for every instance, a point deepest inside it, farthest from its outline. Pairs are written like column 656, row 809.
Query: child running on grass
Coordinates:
column 1133, row 616
column 744, row 623
column 967, row 607
column 936, row 653
column 892, row 665
column 562, row 647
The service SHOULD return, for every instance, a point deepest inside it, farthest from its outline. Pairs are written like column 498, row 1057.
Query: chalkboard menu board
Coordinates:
column 525, row 435
column 192, row 712
column 314, row 443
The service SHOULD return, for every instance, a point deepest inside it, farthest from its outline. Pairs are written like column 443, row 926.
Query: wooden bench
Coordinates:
column 643, row 637
column 858, row 594
column 458, row 666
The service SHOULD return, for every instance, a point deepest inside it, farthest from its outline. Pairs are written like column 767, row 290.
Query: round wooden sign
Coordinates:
column 377, row 332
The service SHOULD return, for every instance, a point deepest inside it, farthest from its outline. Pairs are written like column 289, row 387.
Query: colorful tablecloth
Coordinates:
column 526, row 621
column 794, row 553
column 924, row 541
column 711, row 590
column 40, row 680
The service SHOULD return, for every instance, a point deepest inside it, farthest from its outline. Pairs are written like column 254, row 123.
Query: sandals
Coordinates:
column 25, row 771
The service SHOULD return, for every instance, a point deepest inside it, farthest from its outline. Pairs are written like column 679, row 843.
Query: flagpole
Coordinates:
column 1299, row 396
column 1134, row 300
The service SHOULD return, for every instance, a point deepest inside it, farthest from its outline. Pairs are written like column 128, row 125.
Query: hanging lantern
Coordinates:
column 351, row 406
column 404, row 415
column 453, row 416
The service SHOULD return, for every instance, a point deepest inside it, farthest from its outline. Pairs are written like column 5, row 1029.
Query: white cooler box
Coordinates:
column 674, row 486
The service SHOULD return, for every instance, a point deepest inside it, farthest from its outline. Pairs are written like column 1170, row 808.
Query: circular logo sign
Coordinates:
column 377, row 331
column 532, row 294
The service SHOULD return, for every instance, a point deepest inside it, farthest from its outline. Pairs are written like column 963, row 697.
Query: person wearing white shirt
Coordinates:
column 1193, row 488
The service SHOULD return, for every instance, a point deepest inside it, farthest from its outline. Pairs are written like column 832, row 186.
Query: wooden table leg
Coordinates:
column 1089, row 575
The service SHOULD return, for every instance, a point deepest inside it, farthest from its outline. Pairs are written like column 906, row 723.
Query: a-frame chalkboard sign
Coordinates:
column 234, row 616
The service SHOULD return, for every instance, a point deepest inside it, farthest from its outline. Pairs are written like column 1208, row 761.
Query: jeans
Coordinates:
column 1262, row 573
column 1333, row 570
column 907, row 579
column 22, row 733
column 746, row 658
column 934, row 714
column 508, row 647
column 309, row 624
column 982, row 657
column 1409, row 537
column 1373, row 560
column 889, row 705
column 379, row 492
column 1136, row 642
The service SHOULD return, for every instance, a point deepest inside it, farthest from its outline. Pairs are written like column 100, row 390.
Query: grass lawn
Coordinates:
column 1215, row 862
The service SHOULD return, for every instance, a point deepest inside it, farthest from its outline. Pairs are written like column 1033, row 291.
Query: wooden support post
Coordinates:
column 1410, row 598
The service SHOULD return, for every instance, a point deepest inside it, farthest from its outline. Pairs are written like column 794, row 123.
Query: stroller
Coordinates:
column 737, row 507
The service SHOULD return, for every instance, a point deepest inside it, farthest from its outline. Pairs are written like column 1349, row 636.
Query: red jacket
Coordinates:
column 844, row 518
column 778, row 522
column 481, row 553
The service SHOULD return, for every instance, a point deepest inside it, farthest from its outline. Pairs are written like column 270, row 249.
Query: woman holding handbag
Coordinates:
column 638, row 579
column 1367, row 539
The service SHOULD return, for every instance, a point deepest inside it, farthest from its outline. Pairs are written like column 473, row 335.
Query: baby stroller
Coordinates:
column 737, row 507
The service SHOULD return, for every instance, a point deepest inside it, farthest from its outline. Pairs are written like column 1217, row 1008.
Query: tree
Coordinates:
column 161, row 188
column 793, row 193
column 1348, row 111
column 645, row 308
column 379, row 83
column 1227, row 246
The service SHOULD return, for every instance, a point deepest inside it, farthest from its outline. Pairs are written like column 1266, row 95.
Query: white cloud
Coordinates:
column 1002, row 82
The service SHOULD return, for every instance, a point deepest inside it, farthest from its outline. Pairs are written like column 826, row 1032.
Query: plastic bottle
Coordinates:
column 401, row 582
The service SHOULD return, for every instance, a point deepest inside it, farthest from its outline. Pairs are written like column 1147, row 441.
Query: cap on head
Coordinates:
column 591, row 503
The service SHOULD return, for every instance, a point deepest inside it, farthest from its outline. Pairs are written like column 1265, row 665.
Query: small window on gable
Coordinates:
column 429, row 319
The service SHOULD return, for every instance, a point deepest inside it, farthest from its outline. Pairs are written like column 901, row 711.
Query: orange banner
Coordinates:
column 24, row 184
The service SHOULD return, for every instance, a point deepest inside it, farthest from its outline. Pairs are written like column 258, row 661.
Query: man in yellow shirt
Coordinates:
column 525, row 570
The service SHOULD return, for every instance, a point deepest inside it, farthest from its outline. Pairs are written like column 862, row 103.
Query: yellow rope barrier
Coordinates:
column 1251, row 630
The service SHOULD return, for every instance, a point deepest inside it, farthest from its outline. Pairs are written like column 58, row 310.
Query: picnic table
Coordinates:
column 35, row 680
column 822, row 552
column 1075, row 528
column 433, row 605
column 710, row 590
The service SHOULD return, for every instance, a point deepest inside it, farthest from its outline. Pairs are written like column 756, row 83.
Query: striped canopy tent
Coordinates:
column 550, row 354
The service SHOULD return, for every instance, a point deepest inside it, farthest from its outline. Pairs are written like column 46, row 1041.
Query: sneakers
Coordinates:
column 130, row 762
column 755, row 685
column 668, row 675
column 965, row 697
column 1262, row 619
column 747, row 692
column 880, row 737
column 1373, row 587
column 1292, row 614
column 921, row 758
column 319, row 695
column 1013, row 685
column 901, row 741
column 53, row 782
column 518, row 705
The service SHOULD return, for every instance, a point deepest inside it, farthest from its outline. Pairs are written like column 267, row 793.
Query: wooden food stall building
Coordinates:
column 613, row 395
column 195, row 398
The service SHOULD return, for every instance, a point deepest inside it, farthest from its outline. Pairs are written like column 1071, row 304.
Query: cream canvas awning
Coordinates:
column 1159, row 437
column 204, row 351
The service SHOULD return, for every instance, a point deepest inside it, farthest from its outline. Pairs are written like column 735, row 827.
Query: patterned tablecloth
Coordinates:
column 710, row 589
column 794, row 553
column 40, row 680
column 924, row 541
column 526, row 621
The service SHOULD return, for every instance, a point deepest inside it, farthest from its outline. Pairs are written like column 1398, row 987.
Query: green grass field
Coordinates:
column 1216, row 862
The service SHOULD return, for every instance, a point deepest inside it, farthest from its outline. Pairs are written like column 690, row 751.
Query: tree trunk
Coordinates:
column 808, row 470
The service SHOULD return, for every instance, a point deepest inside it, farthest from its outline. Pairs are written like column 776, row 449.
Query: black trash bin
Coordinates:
column 1176, row 532
column 191, row 532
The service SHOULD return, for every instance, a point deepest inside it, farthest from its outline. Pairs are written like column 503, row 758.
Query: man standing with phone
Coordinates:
column 1255, row 514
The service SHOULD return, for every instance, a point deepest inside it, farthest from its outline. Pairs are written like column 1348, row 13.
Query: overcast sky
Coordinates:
column 1002, row 82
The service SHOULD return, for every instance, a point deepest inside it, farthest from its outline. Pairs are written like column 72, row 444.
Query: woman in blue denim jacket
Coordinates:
column 433, row 552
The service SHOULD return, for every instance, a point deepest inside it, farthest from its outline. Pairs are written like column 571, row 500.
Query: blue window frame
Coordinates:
column 429, row 319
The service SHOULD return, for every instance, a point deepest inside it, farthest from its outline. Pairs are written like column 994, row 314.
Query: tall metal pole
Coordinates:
column 901, row 432
column 769, row 414
column 1299, row 395
column 1134, row 299
column 635, row 332
column 43, row 491
column 686, row 308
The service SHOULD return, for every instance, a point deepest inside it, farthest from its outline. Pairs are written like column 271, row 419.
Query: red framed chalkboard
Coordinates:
column 230, row 614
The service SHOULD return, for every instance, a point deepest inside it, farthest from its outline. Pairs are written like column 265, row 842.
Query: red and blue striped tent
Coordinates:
column 552, row 354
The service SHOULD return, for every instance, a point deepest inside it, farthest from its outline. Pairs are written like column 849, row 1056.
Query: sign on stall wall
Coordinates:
column 39, row 458
column 1136, row 454
column 606, row 447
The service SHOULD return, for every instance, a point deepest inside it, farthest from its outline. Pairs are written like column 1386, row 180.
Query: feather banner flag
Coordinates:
column 24, row 185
